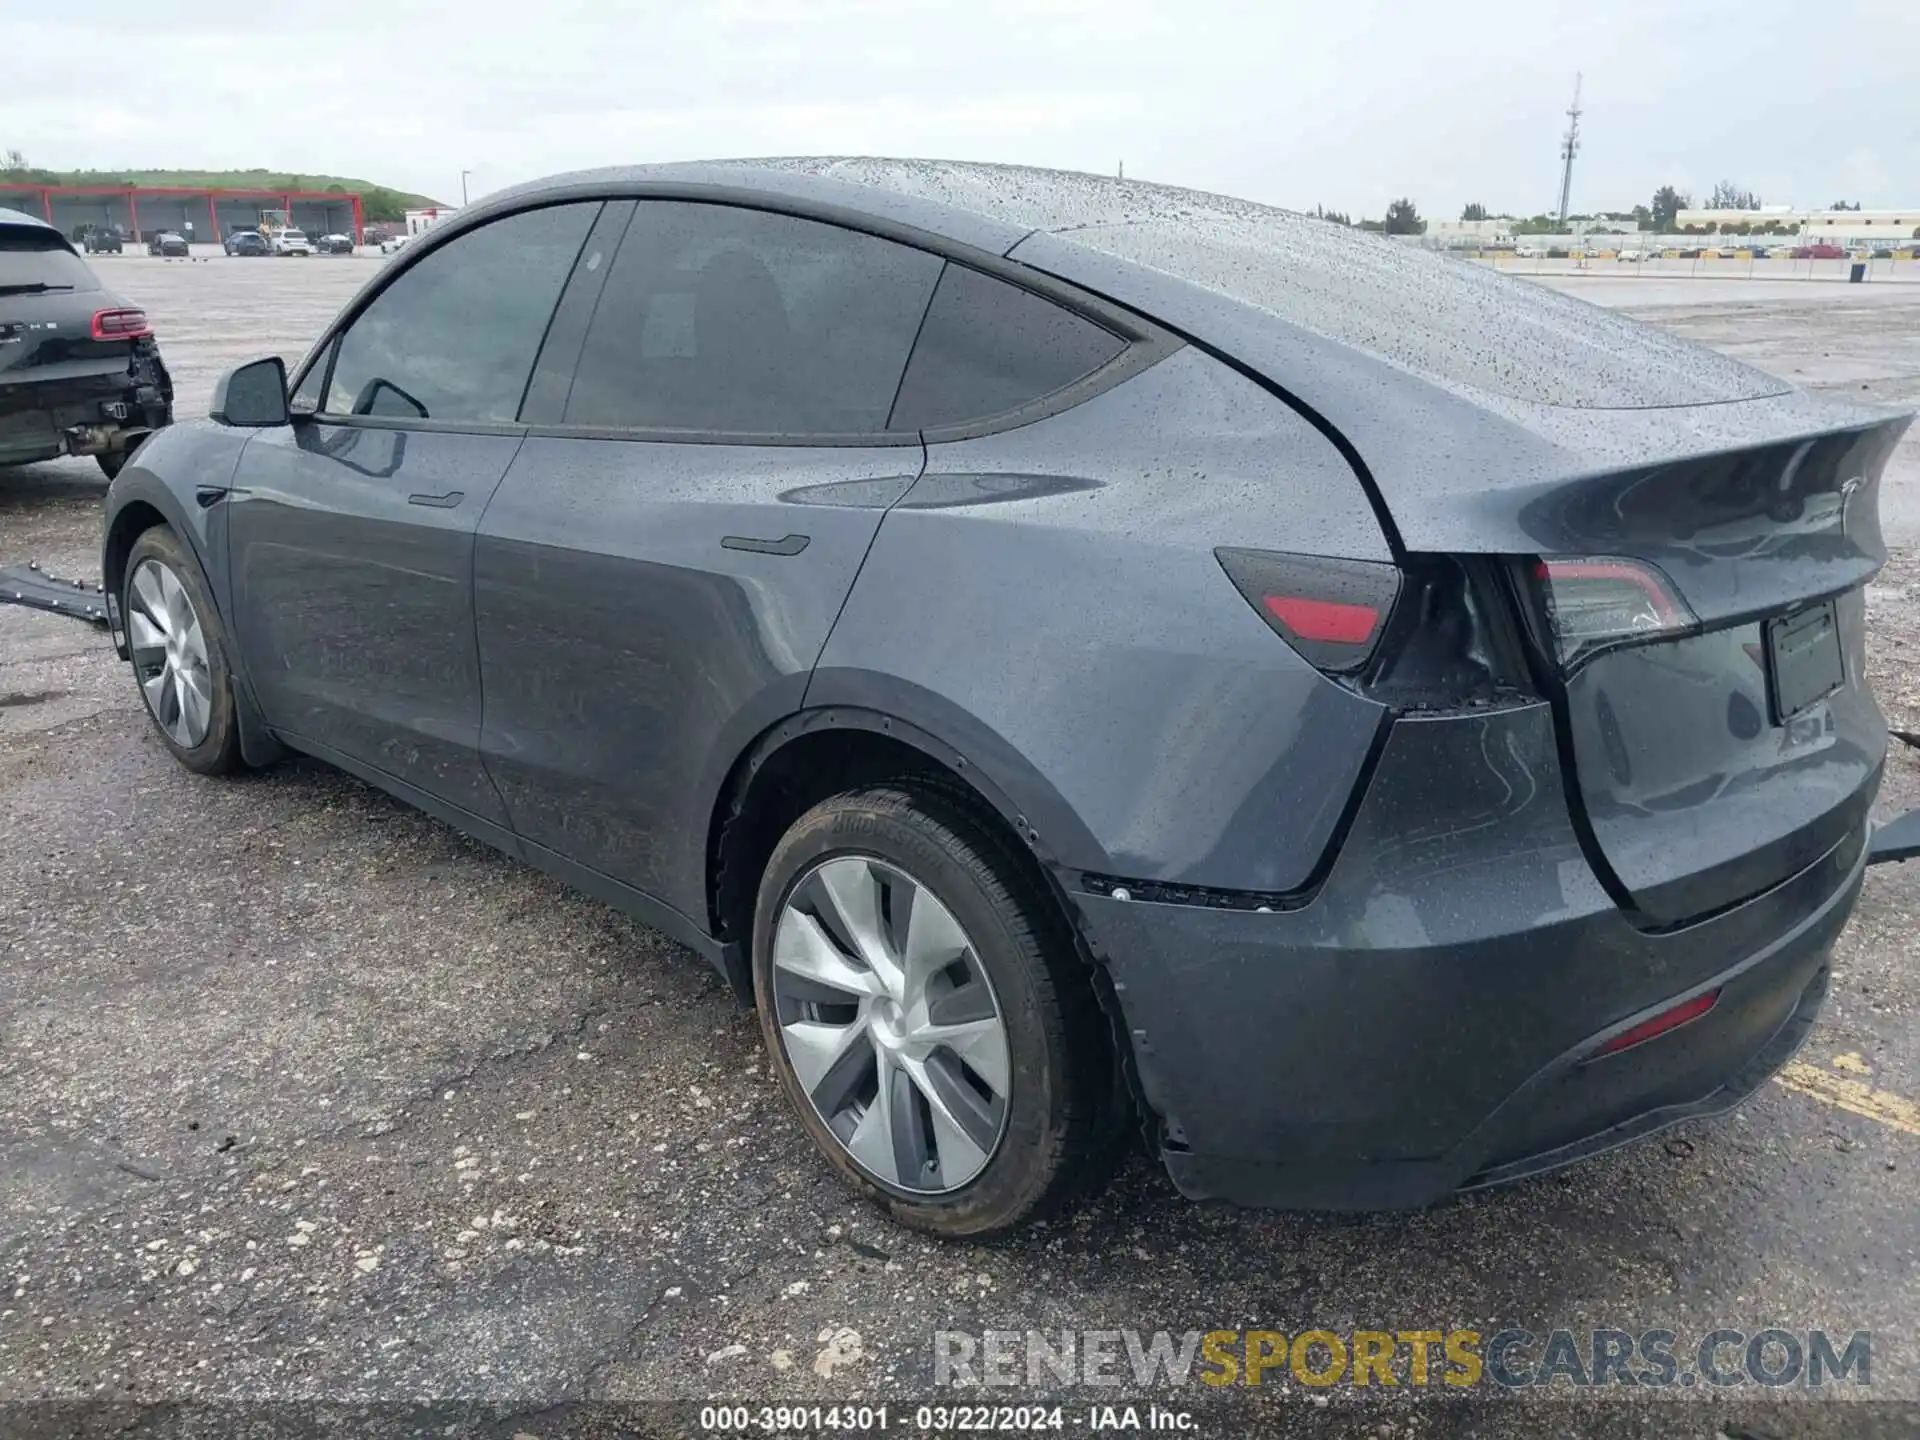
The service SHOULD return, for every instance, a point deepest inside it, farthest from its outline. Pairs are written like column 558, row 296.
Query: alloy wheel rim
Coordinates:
column 169, row 653
column 891, row 1025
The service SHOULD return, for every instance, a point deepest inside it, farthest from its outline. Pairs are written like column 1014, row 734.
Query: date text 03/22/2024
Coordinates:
column 937, row 1419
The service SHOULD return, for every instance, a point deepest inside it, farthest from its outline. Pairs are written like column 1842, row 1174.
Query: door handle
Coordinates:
column 788, row 545
column 439, row 502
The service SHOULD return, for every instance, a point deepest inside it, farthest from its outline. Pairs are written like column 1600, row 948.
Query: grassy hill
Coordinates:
column 379, row 202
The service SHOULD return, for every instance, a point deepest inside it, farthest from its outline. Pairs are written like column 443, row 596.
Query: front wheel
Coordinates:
column 927, row 1012
column 111, row 462
column 179, row 650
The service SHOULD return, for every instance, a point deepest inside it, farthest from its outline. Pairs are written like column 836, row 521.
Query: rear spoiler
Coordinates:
column 1897, row 839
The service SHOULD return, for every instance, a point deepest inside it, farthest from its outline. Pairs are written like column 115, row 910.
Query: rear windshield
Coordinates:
column 31, row 256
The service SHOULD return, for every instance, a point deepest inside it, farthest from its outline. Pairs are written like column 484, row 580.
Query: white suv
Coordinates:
column 291, row 242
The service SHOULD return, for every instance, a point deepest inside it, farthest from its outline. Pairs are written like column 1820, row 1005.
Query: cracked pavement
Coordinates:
column 303, row 1096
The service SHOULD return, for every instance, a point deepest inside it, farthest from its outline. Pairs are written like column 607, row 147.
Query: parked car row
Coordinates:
column 112, row 240
column 286, row 242
column 1633, row 254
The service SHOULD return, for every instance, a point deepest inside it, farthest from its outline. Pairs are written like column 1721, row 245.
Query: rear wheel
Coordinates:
column 925, row 1008
column 179, row 651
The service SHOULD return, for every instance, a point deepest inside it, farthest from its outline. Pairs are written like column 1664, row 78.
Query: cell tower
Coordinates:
column 1569, row 147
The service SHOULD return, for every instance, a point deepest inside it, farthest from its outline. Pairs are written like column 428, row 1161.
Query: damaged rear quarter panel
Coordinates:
column 1056, row 586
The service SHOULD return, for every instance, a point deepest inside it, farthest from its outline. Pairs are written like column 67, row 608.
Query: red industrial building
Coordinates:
column 201, row 214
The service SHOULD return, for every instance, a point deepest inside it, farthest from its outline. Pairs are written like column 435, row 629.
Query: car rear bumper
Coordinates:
column 37, row 420
column 1428, row 1021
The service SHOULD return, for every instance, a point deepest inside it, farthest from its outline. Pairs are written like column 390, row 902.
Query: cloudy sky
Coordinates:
column 1345, row 103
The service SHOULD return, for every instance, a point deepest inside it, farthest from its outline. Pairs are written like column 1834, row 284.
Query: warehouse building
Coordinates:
column 201, row 214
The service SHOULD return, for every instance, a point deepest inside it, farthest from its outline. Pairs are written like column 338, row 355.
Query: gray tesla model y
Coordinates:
column 1076, row 654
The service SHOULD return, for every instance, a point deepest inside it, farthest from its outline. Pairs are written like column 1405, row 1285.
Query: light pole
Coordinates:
column 463, row 185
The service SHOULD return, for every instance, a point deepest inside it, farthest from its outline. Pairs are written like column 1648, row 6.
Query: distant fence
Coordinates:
column 1902, row 267
column 1707, row 252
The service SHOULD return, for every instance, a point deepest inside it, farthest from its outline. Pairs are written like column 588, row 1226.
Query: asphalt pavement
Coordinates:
column 304, row 1097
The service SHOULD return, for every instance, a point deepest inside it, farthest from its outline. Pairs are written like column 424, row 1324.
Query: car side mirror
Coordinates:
column 252, row 395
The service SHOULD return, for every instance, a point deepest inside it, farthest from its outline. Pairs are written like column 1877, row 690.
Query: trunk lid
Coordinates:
column 1713, row 764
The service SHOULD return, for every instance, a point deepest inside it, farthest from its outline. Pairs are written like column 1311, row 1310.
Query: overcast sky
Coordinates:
column 1345, row 103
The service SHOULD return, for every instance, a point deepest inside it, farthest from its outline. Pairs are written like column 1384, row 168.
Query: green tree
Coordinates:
column 1667, row 205
column 1729, row 196
column 1473, row 210
column 15, row 162
column 379, row 203
column 1843, row 205
column 1403, row 219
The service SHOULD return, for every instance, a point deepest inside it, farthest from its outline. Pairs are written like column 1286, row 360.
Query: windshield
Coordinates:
column 30, row 256
column 292, row 235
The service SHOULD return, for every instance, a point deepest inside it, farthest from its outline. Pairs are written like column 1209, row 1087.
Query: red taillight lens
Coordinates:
column 1660, row 1024
column 1335, row 622
column 1330, row 611
column 1595, row 603
column 120, row 324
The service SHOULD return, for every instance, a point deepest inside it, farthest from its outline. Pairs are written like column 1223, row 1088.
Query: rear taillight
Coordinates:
column 1432, row 633
column 1596, row 603
column 120, row 325
column 1331, row 611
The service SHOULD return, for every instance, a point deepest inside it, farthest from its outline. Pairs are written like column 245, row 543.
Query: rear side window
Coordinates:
column 989, row 347
column 718, row 318
column 31, row 258
column 453, row 338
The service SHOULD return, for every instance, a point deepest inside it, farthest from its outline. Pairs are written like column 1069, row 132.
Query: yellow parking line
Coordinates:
column 1856, row 1097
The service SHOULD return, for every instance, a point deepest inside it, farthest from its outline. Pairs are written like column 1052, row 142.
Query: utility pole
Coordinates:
column 1123, row 170
column 1569, row 147
column 465, row 173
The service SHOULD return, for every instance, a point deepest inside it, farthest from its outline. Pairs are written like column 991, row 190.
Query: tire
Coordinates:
column 977, row 1161
column 179, row 650
column 111, row 462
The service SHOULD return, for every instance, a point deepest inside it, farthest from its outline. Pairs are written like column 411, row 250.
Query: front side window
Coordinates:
column 717, row 318
column 454, row 337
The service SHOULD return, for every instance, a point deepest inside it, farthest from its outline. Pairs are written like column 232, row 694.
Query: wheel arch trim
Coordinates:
column 202, row 530
column 846, row 699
